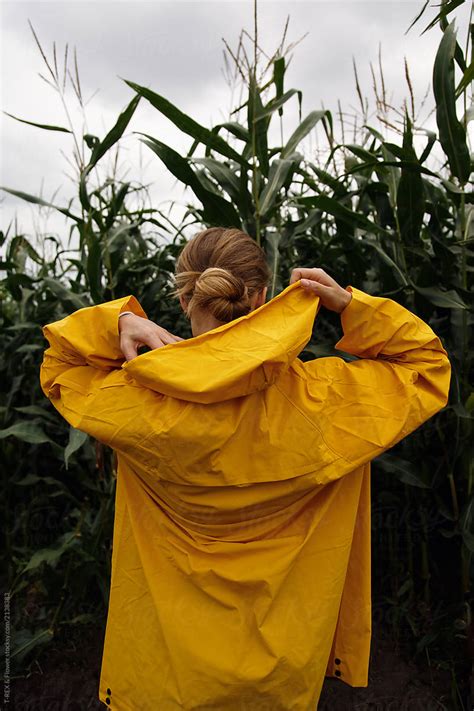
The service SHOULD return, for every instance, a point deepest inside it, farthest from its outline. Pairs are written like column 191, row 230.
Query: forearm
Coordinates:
column 374, row 326
column 400, row 379
column 90, row 336
column 380, row 328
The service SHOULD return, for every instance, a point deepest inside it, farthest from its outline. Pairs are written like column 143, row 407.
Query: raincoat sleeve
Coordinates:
column 400, row 379
column 82, row 361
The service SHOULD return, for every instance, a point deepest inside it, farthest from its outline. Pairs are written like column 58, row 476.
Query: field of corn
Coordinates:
column 375, row 209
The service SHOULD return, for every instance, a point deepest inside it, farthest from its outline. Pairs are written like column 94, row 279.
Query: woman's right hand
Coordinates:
column 333, row 296
column 136, row 331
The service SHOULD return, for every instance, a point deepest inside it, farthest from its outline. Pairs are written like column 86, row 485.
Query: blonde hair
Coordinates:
column 219, row 270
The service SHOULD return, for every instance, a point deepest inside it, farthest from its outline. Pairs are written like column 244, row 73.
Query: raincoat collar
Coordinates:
column 235, row 359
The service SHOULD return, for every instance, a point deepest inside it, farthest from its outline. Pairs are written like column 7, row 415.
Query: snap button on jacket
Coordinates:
column 241, row 547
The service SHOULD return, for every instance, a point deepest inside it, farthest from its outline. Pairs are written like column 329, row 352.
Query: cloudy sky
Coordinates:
column 176, row 48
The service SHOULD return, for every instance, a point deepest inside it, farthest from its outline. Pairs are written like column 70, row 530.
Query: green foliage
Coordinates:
column 452, row 134
column 371, row 213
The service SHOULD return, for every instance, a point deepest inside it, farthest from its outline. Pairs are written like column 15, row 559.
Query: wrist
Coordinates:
column 347, row 298
column 124, row 313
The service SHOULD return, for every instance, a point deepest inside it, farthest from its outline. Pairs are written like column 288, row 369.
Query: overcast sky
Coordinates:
column 176, row 48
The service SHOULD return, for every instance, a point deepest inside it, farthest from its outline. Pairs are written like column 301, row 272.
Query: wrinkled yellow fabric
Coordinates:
column 241, row 548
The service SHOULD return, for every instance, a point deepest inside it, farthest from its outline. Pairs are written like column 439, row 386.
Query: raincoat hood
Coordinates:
column 235, row 359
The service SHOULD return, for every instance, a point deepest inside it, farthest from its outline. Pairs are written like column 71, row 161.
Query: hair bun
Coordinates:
column 222, row 293
column 220, row 270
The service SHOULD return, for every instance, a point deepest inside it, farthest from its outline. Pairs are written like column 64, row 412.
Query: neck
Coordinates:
column 202, row 322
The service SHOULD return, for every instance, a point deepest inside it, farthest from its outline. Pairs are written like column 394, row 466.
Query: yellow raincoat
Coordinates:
column 241, row 549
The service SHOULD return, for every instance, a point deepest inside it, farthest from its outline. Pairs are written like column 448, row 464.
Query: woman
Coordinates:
column 241, row 550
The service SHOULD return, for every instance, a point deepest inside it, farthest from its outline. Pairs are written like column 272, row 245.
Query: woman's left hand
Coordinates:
column 136, row 331
column 333, row 296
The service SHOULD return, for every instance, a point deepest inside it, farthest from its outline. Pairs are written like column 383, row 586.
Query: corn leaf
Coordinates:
column 26, row 432
column 339, row 211
column 466, row 524
column 448, row 299
column 236, row 129
column 229, row 181
column 216, row 209
column 467, row 79
column 258, row 126
column 404, row 470
column 279, row 68
column 277, row 176
column 410, row 194
column 115, row 133
column 303, row 129
column 277, row 104
column 45, row 126
column 186, row 123
column 76, row 440
column 452, row 134
column 39, row 201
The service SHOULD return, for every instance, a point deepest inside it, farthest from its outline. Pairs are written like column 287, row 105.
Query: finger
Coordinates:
column 168, row 338
column 165, row 335
column 128, row 348
column 153, row 341
column 156, row 339
column 314, row 286
column 314, row 273
column 299, row 273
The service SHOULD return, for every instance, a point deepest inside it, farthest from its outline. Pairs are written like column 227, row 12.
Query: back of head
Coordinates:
column 219, row 271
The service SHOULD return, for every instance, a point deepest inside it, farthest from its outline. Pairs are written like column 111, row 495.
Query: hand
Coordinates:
column 136, row 331
column 332, row 296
